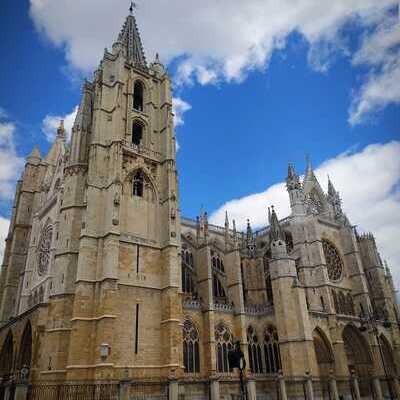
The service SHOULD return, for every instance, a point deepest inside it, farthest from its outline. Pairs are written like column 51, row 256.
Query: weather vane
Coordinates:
column 133, row 5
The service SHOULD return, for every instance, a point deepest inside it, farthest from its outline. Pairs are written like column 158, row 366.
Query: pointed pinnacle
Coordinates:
column 226, row 219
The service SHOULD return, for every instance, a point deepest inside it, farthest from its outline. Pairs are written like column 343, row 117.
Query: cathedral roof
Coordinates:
column 129, row 37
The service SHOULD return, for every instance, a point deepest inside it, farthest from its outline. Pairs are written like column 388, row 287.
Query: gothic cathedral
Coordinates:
column 105, row 288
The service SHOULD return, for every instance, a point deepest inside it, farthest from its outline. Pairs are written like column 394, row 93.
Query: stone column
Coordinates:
column 251, row 389
column 377, row 387
column 21, row 391
column 309, row 387
column 214, row 386
column 333, row 386
column 356, row 388
column 124, row 389
column 173, row 389
column 282, row 386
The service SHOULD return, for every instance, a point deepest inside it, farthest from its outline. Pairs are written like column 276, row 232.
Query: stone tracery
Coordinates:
column 334, row 263
column 44, row 249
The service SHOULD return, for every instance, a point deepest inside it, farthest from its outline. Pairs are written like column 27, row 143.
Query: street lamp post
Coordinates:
column 370, row 320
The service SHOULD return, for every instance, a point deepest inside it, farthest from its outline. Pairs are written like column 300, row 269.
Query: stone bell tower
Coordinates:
column 126, row 309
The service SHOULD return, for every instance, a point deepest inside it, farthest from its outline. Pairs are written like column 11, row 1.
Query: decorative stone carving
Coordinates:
column 334, row 263
column 44, row 249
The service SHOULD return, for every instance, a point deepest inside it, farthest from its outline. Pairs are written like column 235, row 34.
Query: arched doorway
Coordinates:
column 389, row 366
column 359, row 358
column 7, row 356
column 323, row 353
column 325, row 363
column 25, row 349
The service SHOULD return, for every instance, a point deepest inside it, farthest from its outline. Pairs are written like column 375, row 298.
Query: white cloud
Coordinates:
column 179, row 107
column 225, row 40
column 4, row 223
column 381, row 51
column 222, row 39
column 369, row 184
column 10, row 164
column 50, row 124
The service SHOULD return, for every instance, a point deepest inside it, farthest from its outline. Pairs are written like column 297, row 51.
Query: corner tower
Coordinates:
column 126, row 300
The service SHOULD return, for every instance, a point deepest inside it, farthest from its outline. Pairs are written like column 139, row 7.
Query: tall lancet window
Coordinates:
column 138, row 96
column 271, row 351
column 224, row 343
column 137, row 133
column 191, row 354
column 138, row 184
column 254, row 347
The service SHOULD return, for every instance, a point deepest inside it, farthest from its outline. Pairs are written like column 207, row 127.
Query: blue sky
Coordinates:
column 262, row 84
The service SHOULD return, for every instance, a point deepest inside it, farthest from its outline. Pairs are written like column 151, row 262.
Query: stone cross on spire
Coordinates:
column 132, row 7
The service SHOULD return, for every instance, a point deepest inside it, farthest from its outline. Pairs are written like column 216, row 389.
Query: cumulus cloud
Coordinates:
column 381, row 51
column 4, row 223
column 50, row 124
column 369, row 184
column 179, row 107
column 10, row 163
column 225, row 40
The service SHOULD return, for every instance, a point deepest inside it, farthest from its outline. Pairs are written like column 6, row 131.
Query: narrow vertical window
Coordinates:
column 137, row 133
column 138, row 96
column 137, row 329
column 138, row 184
column 137, row 258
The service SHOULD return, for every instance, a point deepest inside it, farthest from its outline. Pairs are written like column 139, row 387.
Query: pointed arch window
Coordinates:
column 217, row 262
column 350, row 305
column 288, row 241
column 224, row 343
column 138, row 91
column 188, row 274
column 268, row 282
column 137, row 133
column 271, row 351
column 191, row 353
column 138, row 183
column 335, row 302
column 218, row 290
column 7, row 355
column 255, row 356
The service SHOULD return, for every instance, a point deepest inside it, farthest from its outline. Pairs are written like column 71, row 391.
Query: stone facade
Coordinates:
column 103, row 281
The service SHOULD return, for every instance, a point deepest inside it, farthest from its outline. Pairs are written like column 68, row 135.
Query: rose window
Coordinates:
column 333, row 261
column 44, row 249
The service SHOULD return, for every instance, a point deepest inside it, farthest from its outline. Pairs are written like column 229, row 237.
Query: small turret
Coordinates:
column 278, row 245
column 227, row 236
column 316, row 202
column 34, row 157
column 250, row 242
column 61, row 131
column 296, row 194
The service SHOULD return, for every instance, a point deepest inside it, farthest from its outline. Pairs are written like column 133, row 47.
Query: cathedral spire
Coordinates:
column 129, row 39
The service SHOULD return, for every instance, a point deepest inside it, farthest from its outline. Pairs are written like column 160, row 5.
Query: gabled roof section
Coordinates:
column 129, row 37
